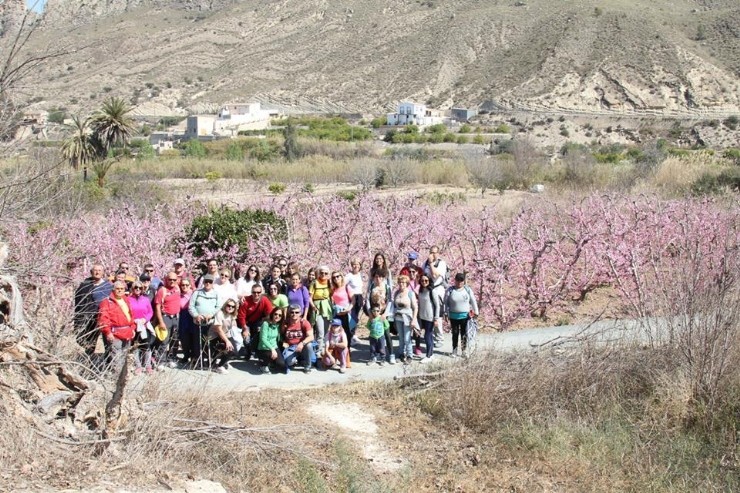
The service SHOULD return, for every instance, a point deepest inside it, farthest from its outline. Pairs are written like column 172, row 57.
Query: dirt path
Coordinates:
column 246, row 376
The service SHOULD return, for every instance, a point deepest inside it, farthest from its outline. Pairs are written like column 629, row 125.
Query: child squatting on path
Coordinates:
column 336, row 352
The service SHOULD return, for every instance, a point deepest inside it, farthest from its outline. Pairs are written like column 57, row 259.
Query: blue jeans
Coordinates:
column 404, row 339
column 377, row 347
column 428, row 326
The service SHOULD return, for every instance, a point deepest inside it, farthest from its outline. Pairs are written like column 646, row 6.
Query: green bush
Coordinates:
column 502, row 129
column 439, row 128
column 732, row 122
column 709, row 184
column 378, row 122
column 234, row 152
column 57, row 115
column 308, row 188
column 478, row 139
column 224, row 228
column 213, row 175
column 276, row 188
column 348, row 195
column 194, row 148
column 465, row 129
column 462, row 139
column 733, row 155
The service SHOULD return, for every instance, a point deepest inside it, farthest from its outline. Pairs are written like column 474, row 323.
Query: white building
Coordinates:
column 414, row 114
column 231, row 119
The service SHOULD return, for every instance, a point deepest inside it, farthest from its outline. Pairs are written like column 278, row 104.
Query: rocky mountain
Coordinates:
column 678, row 58
column 77, row 12
column 11, row 14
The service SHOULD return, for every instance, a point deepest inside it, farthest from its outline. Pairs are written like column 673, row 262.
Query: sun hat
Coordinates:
column 161, row 332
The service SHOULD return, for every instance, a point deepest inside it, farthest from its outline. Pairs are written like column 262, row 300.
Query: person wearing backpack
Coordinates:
column 438, row 271
column 460, row 304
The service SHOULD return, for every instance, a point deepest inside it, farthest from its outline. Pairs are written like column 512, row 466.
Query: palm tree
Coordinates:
column 111, row 125
column 78, row 149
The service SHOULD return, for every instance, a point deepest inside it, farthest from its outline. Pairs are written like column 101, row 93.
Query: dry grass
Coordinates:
column 675, row 175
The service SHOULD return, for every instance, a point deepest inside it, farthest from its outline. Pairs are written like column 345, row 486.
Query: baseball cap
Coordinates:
column 145, row 277
column 336, row 321
column 412, row 255
column 178, row 261
column 208, row 277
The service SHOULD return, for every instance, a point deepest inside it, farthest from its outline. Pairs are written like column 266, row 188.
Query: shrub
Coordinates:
column 276, row 188
column 502, row 129
column 57, row 115
column 348, row 195
column 195, row 149
column 733, row 155
column 732, row 122
column 449, row 137
column 222, row 229
column 308, row 188
column 378, row 122
column 436, row 129
column 478, row 139
column 465, row 129
column 710, row 183
column 213, row 175
column 234, row 152
column 462, row 139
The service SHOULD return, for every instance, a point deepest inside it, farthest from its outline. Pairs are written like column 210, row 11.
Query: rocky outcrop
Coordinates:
column 75, row 12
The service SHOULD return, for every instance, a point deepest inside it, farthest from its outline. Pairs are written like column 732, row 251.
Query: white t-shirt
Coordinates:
column 354, row 282
column 227, row 292
column 441, row 267
column 244, row 287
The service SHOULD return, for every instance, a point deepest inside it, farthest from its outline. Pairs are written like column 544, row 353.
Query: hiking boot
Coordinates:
column 265, row 369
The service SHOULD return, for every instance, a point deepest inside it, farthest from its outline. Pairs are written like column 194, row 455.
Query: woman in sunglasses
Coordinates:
column 142, row 313
column 226, row 338
column 250, row 278
column 268, row 349
column 342, row 302
column 321, row 309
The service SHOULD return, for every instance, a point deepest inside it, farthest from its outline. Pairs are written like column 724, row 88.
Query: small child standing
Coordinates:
column 377, row 326
column 336, row 352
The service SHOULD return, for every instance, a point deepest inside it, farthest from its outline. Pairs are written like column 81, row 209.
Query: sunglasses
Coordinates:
column 256, row 292
column 172, row 280
column 186, row 285
column 208, row 282
column 278, row 315
column 149, row 270
column 137, row 287
column 252, row 270
column 324, row 273
column 230, row 306
column 295, row 312
column 273, row 289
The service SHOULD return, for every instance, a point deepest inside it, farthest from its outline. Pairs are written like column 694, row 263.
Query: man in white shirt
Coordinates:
column 436, row 269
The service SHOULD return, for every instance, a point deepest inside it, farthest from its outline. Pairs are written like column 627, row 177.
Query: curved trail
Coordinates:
column 246, row 376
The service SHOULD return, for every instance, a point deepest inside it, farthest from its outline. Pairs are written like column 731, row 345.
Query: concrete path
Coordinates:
column 246, row 376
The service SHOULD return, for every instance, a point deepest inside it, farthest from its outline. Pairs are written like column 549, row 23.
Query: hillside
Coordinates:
column 663, row 57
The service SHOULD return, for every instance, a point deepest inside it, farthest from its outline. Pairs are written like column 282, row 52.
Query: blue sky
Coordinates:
column 37, row 5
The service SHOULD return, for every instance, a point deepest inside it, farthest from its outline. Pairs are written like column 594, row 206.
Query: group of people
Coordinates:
column 283, row 317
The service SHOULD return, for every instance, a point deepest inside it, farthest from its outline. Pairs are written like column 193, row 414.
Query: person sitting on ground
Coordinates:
column 336, row 352
column 117, row 325
column 268, row 349
column 141, row 312
column 297, row 339
column 252, row 312
column 226, row 338
column 378, row 326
